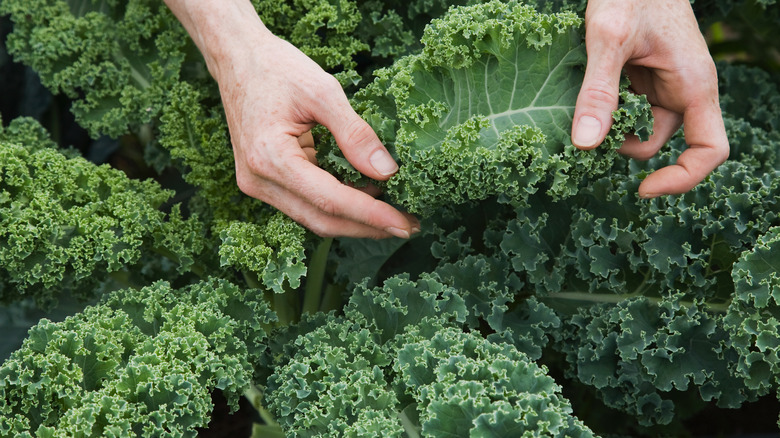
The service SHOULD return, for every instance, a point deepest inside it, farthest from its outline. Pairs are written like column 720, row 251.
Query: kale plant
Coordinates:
column 539, row 279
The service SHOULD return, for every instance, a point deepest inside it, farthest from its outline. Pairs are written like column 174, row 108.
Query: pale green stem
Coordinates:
column 331, row 298
column 255, row 396
column 251, row 280
column 286, row 306
column 408, row 425
column 136, row 75
column 312, row 298
column 263, row 431
column 641, row 288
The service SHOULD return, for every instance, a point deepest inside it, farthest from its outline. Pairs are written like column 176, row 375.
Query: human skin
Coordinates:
column 273, row 95
column 661, row 49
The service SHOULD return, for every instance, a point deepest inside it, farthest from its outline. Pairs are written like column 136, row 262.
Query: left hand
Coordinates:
column 659, row 45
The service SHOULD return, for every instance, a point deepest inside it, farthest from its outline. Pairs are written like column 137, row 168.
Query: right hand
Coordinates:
column 273, row 95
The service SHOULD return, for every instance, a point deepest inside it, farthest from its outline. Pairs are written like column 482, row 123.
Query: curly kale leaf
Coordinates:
column 638, row 352
column 486, row 108
column 325, row 30
column 398, row 362
column 141, row 363
column 195, row 133
column 401, row 303
column 30, row 133
column 393, row 28
column 273, row 250
column 66, row 223
column 750, row 93
column 333, row 384
column 464, row 385
column 607, row 240
column 117, row 60
column 753, row 317
column 641, row 287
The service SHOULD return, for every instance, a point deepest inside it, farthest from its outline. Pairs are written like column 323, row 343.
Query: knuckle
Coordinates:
column 255, row 165
column 600, row 94
column 326, row 88
column 324, row 204
column 612, row 29
column 244, row 183
column 722, row 153
column 357, row 134
column 709, row 69
column 704, row 79
column 332, row 83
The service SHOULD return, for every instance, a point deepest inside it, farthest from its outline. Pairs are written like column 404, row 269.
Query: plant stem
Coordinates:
column 408, row 425
column 255, row 396
column 591, row 297
column 251, row 280
column 331, row 298
column 645, row 282
column 263, row 431
column 286, row 305
column 312, row 298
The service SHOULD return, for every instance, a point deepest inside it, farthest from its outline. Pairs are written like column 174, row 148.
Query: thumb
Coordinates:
column 359, row 143
column 598, row 96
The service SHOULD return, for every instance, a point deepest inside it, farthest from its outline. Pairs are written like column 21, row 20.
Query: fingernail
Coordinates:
column 586, row 133
column 648, row 195
column 383, row 163
column 415, row 230
column 397, row 232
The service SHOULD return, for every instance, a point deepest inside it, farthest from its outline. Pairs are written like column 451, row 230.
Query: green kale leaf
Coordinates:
column 140, row 363
column 485, row 109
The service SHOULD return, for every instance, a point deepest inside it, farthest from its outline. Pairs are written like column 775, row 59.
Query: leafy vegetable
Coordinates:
column 64, row 219
column 487, row 109
column 118, row 59
column 540, row 279
column 143, row 362
column 399, row 357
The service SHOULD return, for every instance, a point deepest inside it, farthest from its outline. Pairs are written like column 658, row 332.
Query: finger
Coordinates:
column 328, row 195
column 665, row 124
column 309, row 216
column 359, row 143
column 306, row 141
column 295, row 174
column 705, row 134
column 311, row 155
column 598, row 96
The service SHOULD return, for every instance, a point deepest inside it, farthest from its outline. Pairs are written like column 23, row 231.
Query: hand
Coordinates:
column 272, row 99
column 273, row 95
column 659, row 44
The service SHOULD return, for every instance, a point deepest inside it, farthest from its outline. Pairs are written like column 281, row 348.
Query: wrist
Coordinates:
column 223, row 30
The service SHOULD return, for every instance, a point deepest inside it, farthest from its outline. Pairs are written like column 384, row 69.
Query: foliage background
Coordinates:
column 739, row 32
